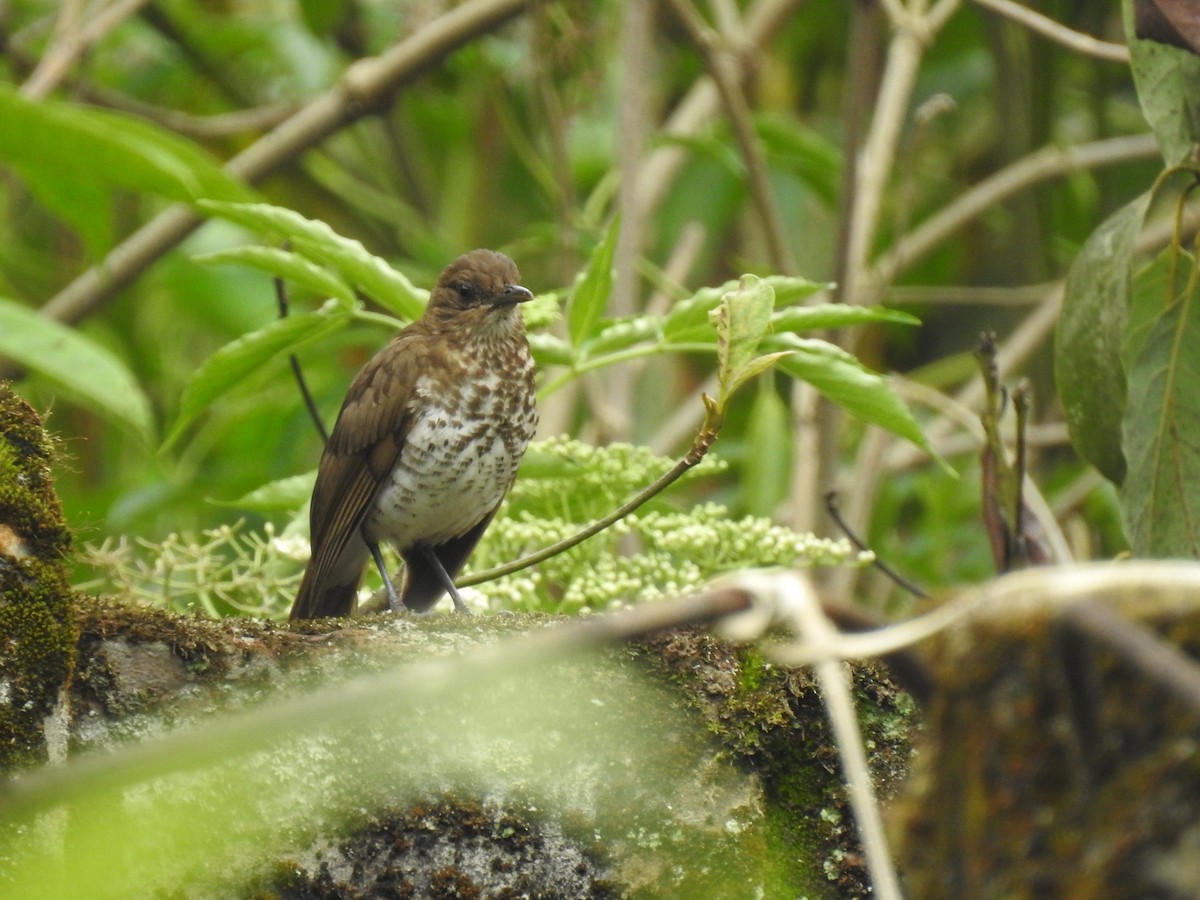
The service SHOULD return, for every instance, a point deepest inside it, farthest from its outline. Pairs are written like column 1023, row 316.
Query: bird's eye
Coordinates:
column 465, row 289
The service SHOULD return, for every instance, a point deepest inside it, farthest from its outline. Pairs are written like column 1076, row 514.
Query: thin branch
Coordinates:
column 793, row 602
column 722, row 68
column 702, row 102
column 1041, row 165
column 72, row 43
column 1057, row 32
column 831, row 507
column 700, row 446
column 281, row 299
column 363, row 87
column 1142, row 648
column 878, row 153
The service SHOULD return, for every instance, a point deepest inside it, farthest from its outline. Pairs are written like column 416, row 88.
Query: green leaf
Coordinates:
column 86, row 145
column 316, row 241
column 1160, row 497
column 1091, row 329
column 766, row 466
column 741, row 320
column 286, row 265
column 836, row 315
column 687, row 322
column 620, row 334
column 81, row 369
column 238, row 360
column 1168, row 87
column 549, row 350
column 843, row 379
column 589, row 296
column 283, row 495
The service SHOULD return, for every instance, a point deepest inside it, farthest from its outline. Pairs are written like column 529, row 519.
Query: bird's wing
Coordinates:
column 366, row 440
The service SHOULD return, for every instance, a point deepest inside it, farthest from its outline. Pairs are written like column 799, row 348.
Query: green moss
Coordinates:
column 37, row 654
column 773, row 721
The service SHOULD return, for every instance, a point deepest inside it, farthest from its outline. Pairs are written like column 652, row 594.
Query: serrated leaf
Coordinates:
column 589, row 296
column 1160, row 497
column 864, row 394
column 1087, row 344
column 316, row 241
column 741, row 320
column 82, row 370
column 89, row 145
column 285, row 265
column 836, row 315
column 239, row 359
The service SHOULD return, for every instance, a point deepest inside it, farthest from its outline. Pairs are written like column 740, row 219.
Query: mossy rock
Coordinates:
column 38, row 629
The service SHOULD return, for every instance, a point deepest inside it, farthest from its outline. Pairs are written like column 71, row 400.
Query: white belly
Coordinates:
column 449, row 476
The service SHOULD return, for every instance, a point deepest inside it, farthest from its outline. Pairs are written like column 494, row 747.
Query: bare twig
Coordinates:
column 722, row 68
column 762, row 20
column 831, row 507
column 1057, row 32
column 72, row 42
column 793, row 602
column 281, row 299
column 1142, row 648
column 363, row 86
column 1041, row 165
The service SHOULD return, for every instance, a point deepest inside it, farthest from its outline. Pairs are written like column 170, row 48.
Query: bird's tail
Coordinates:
column 331, row 590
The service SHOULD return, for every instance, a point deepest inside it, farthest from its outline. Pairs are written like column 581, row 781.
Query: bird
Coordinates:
column 426, row 445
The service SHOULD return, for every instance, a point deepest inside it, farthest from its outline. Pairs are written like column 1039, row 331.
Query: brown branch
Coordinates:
column 722, row 68
column 363, row 87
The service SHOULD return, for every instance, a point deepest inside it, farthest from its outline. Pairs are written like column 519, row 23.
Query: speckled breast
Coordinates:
column 459, row 458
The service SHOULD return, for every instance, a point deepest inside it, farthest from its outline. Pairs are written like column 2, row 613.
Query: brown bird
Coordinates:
column 426, row 445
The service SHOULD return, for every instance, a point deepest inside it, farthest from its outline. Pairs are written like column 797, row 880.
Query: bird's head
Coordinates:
column 481, row 287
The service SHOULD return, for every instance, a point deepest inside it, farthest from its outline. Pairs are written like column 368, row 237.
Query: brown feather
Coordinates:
column 372, row 428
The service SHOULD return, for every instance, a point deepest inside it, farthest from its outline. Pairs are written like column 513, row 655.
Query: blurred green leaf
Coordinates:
column 848, row 383
column 242, row 358
column 77, row 366
column 1091, row 329
column 766, row 464
column 283, row 495
column 687, row 321
column 1168, row 88
column 741, row 320
column 285, row 265
column 84, row 144
column 316, row 241
column 836, row 315
column 803, row 150
column 589, row 296
column 619, row 334
column 1160, row 496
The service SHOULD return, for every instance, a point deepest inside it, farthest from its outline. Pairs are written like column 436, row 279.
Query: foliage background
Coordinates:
column 516, row 141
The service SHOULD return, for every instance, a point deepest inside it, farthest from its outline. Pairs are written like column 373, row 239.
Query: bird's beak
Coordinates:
column 513, row 294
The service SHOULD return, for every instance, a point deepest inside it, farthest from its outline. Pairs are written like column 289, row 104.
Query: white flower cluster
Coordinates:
column 222, row 570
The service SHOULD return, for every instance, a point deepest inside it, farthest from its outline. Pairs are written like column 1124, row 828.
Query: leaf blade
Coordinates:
column 240, row 358
column 317, row 242
column 1087, row 343
column 77, row 366
column 589, row 295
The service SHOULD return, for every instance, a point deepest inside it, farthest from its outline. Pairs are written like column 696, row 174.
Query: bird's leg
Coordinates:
column 393, row 601
column 432, row 559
